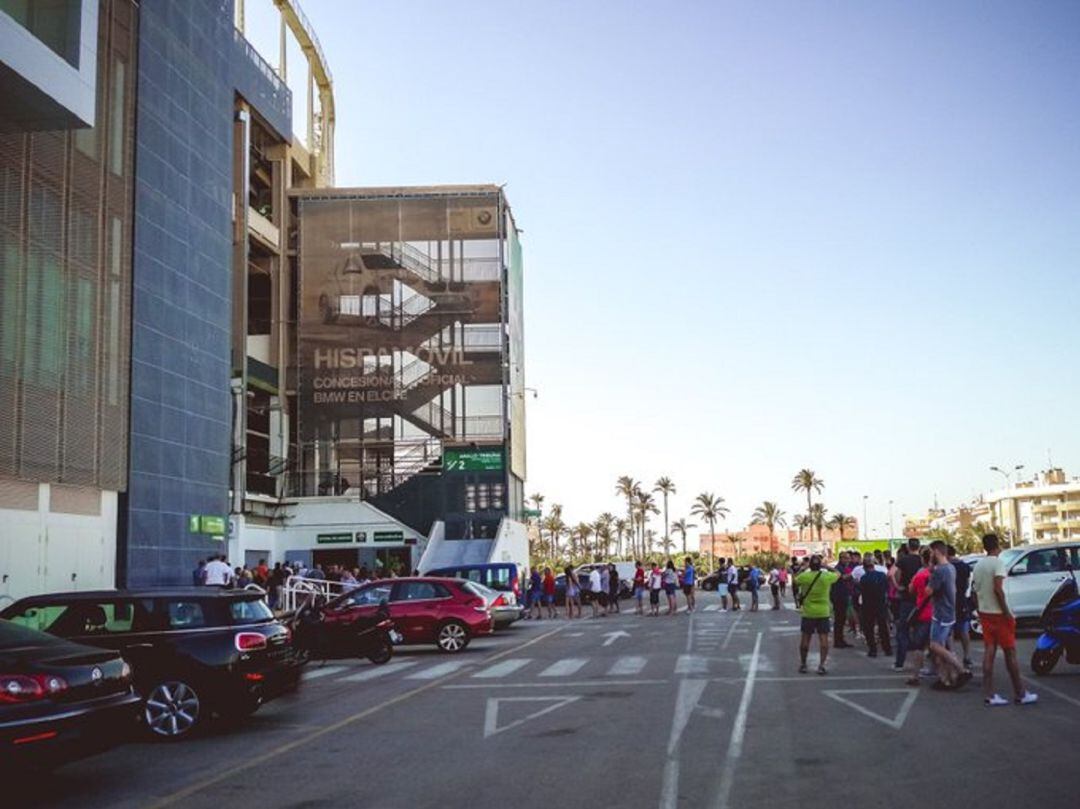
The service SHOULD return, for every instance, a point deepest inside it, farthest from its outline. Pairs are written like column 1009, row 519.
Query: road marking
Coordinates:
column 441, row 670
column 1042, row 686
column 491, row 714
column 711, row 608
column 689, row 695
column 230, row 773
column 378, row 671
column 626, row 666
column 503, row 668
column 738, row 731
column 896, row 722
column 614, row 636
column 691, row 664
column 731, row 630
column 792, row 628
column 325, row 671
column 564, row 668
column 559, row 684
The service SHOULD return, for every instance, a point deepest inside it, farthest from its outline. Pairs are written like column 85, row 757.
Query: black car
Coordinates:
column 60, row 700
column 195, row 651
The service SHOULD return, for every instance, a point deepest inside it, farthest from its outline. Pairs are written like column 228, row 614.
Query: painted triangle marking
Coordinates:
column 896, row 722
column 491, row 714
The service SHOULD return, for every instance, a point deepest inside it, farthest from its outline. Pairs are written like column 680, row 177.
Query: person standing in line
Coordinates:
column 549, row 593
column 942, row 590
column 573, row 593
column 907, row 565
column 656, row 584
column 218, row 572
column 841, row 601
column 921, row 614
column 782, row 577
column 639, row 587
column 812, row 589
column 198, row 575
column 774, row 587
column 998, row 625
column 671, row 586
column 872, row 590
column 962, row 630
column 689, row 580
column 732, row 577
column 613, row 588
column 721, row 584
column 535, row 594
column 753, row 581
column 605, row 588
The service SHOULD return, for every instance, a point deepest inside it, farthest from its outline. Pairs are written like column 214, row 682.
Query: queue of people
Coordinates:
column 919, row 599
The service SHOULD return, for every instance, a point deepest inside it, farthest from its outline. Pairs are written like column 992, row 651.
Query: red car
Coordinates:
column 446, row 612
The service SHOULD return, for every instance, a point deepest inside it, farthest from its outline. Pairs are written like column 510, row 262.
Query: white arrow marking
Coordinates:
column 614, row 636
column 897, row 722
column 491, row 714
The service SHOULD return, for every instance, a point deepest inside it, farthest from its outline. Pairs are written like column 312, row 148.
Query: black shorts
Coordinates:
column 602, row 598
column 687, row 589
column 918, row 636
column 733, row 588
column 654, row 596
column 809, row 626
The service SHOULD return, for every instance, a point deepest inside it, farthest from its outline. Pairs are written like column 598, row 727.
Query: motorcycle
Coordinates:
column 314, row 638
column 1061, row 628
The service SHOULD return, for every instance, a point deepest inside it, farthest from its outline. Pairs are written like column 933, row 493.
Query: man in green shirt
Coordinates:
column 813, row 587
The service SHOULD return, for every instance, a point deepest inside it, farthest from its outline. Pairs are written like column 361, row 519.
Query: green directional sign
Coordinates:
column 388, row 536
column 333, row 539
column 212, row 524
column 532, row 513
column 473, row 460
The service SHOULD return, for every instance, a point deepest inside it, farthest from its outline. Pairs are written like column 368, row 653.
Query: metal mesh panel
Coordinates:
column 74, row 500
column 65, row 276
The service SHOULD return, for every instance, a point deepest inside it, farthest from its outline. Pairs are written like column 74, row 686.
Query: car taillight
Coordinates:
column 249, row 641
column 498, row 602
column 17, row 688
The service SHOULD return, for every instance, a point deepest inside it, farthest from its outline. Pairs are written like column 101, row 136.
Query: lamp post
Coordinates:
column 891, row 534
column 1015, row 504
column 865, row 497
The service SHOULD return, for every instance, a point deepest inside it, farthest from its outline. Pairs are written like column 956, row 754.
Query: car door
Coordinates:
column 361, row 603
column 1032, row 579
column 416, row 607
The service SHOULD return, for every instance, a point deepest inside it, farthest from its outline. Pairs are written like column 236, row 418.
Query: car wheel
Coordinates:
column 1044, row 660
column 172, row 709
column 453, row 637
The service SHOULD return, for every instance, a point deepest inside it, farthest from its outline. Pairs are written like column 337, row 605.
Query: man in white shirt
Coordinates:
column 733, row 585
column 218, row 572
column 595, row 590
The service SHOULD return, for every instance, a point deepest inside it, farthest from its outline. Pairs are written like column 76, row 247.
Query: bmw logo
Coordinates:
column 96, row 674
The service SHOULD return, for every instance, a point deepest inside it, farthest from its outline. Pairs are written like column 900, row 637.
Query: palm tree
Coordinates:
column 582, row 532
column 710, row 507
column 603, row 533
column 806, row 480
column 644, row 505
column 817, row 518
column 802, row 522
column 626, row 486
column 839, row 522
column 666, row 486
column 682, row 526
column 555, row 527
column 621, row 526
column 770, row 515
column 537, row 500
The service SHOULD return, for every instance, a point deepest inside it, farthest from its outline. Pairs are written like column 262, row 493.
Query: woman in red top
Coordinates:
column 549, row 592
column 919, row 625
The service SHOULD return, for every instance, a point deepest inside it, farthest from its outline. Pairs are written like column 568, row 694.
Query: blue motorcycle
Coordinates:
column 1061, row 629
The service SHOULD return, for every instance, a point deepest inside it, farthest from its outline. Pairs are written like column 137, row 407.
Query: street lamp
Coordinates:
column 891, row 534
column 1015, row 502
column 865, row 497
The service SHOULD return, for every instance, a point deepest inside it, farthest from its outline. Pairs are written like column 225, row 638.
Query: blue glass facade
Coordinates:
column 191, row 66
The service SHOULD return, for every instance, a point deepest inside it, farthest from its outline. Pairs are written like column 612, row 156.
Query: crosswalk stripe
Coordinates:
column 325, row 671
column 691, row 664
column 627, row 665
column 378, row 671
column 564, row 668
column 502, row 669
column 435, row 672
column 711, row 608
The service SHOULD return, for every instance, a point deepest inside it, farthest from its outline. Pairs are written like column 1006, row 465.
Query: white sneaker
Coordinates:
column 995, row 701
column 1028, row 699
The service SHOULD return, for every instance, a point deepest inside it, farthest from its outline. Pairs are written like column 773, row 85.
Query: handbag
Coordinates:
column 802, row 596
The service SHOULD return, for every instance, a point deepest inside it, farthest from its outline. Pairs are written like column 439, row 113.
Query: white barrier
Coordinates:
column 297, row 590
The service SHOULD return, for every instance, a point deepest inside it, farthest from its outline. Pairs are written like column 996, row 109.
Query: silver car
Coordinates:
column 1032, row 576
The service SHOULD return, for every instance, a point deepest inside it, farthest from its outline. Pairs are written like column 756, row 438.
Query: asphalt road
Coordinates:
column 686, row 711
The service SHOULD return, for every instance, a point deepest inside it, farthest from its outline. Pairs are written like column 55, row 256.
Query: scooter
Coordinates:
column 315, row 638
column 1061, row 628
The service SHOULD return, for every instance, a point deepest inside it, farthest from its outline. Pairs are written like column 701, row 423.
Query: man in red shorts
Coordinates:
column 998, row 625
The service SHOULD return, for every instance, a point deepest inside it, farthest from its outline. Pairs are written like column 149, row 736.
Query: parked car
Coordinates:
column 195, row 651
column 710, row 582
column 448, row 612
column 506, row 577
column 626, row 578
column 503, row 606
column 1032, row 576
column 60, row 700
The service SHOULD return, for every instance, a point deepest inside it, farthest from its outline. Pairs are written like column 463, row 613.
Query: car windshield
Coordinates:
column 250, row 611
column 1010, row 556
column 478, row 589
column 13, row 636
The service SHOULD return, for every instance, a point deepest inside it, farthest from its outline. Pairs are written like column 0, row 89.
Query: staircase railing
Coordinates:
column 416, row 261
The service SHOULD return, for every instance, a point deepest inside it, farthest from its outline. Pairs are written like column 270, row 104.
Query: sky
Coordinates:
column 759, row 236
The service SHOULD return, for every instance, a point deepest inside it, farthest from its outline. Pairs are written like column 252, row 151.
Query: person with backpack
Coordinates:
column 962, row 629
column 812, row 588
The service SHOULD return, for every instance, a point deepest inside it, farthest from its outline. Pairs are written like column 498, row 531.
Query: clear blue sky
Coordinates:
column 759, row 236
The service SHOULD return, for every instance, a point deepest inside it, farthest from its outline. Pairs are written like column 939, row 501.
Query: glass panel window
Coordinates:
column 249, row 612
column 367, row 596
column 42, row 618
column 116, row 120
column 185, row 614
